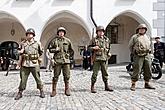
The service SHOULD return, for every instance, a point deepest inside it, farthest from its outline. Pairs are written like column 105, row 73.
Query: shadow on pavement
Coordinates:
column 129, row 77
column 126, row 77
column 7, row 94
column 79, row 90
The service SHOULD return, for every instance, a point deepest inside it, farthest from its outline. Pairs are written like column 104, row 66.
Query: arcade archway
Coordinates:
column 119, row 30
column 77, row 31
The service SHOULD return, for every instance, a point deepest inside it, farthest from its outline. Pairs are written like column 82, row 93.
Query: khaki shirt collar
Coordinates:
column 60, row 38
column 31, row 41
column 102, row 37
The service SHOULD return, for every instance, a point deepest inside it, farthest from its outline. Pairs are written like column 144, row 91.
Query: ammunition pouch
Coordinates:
column 142, row 53
column 31, row 57
column 61, row 58
column 67, row 56
column 58, row 57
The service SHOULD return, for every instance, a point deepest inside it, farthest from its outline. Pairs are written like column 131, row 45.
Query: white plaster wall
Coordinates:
column 36, row 14
column 106, row 10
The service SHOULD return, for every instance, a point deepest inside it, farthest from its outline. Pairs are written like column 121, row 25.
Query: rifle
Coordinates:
column 93, row 58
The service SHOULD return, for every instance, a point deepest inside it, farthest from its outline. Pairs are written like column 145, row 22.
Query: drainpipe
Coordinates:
column 91, row 13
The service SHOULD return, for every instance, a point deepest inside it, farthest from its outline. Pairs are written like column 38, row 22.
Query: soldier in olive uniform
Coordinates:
column 63, row 50
column 140, row 47
column 30, row 63
column 100, row 47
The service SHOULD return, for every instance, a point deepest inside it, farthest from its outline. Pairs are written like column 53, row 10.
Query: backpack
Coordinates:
column 141, row 47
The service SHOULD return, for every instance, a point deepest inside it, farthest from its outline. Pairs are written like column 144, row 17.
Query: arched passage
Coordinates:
column 11, row 31
column 120, row 29
column 77, row 31
column 10, row 28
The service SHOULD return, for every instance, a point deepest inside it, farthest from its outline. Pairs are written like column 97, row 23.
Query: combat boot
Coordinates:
column 107, row 88
column 53, row 88
column 148, row 86
column 42, row 95
column 67, row 89
column 92, row 88
column 133, row 86
column 19, row 95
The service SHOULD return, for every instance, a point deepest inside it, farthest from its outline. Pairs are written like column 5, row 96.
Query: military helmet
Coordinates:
column 141, row 26
column 61, row 29
column 99, row 28
column 30, row 31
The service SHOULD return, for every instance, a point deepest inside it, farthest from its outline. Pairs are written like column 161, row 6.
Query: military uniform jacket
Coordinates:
column 140, row 44
column 62, row 49
column 104, row 45
column 32, row 52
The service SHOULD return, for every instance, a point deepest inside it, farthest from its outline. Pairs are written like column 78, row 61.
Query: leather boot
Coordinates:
column 19, row 95
column 42, row 95
column 107, row 88
column 53, row 88
column 92, row 88
column 148, row 86
column 133, row 86
column 67, row 89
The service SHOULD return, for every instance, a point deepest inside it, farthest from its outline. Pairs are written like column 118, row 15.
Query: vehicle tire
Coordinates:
column 156, row 72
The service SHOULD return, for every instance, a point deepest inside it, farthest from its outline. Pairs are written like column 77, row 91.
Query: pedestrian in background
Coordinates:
column 159, row 51
column 49, row 56
column 86, row 57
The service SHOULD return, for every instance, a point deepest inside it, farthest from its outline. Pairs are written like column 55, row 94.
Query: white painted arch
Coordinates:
column 77, row 30
column 6, row 21
column 133, row 14
column 67, row 14
column 128, row 21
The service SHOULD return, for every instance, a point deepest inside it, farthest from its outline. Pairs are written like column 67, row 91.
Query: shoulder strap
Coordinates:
column 134, row 40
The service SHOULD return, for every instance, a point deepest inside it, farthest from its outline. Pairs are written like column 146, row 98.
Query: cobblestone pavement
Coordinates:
column 81, row 99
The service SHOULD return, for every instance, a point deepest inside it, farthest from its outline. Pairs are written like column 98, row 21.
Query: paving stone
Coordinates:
column 82, row 99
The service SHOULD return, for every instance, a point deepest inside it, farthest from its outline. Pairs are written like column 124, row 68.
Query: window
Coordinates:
column 112, row 33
